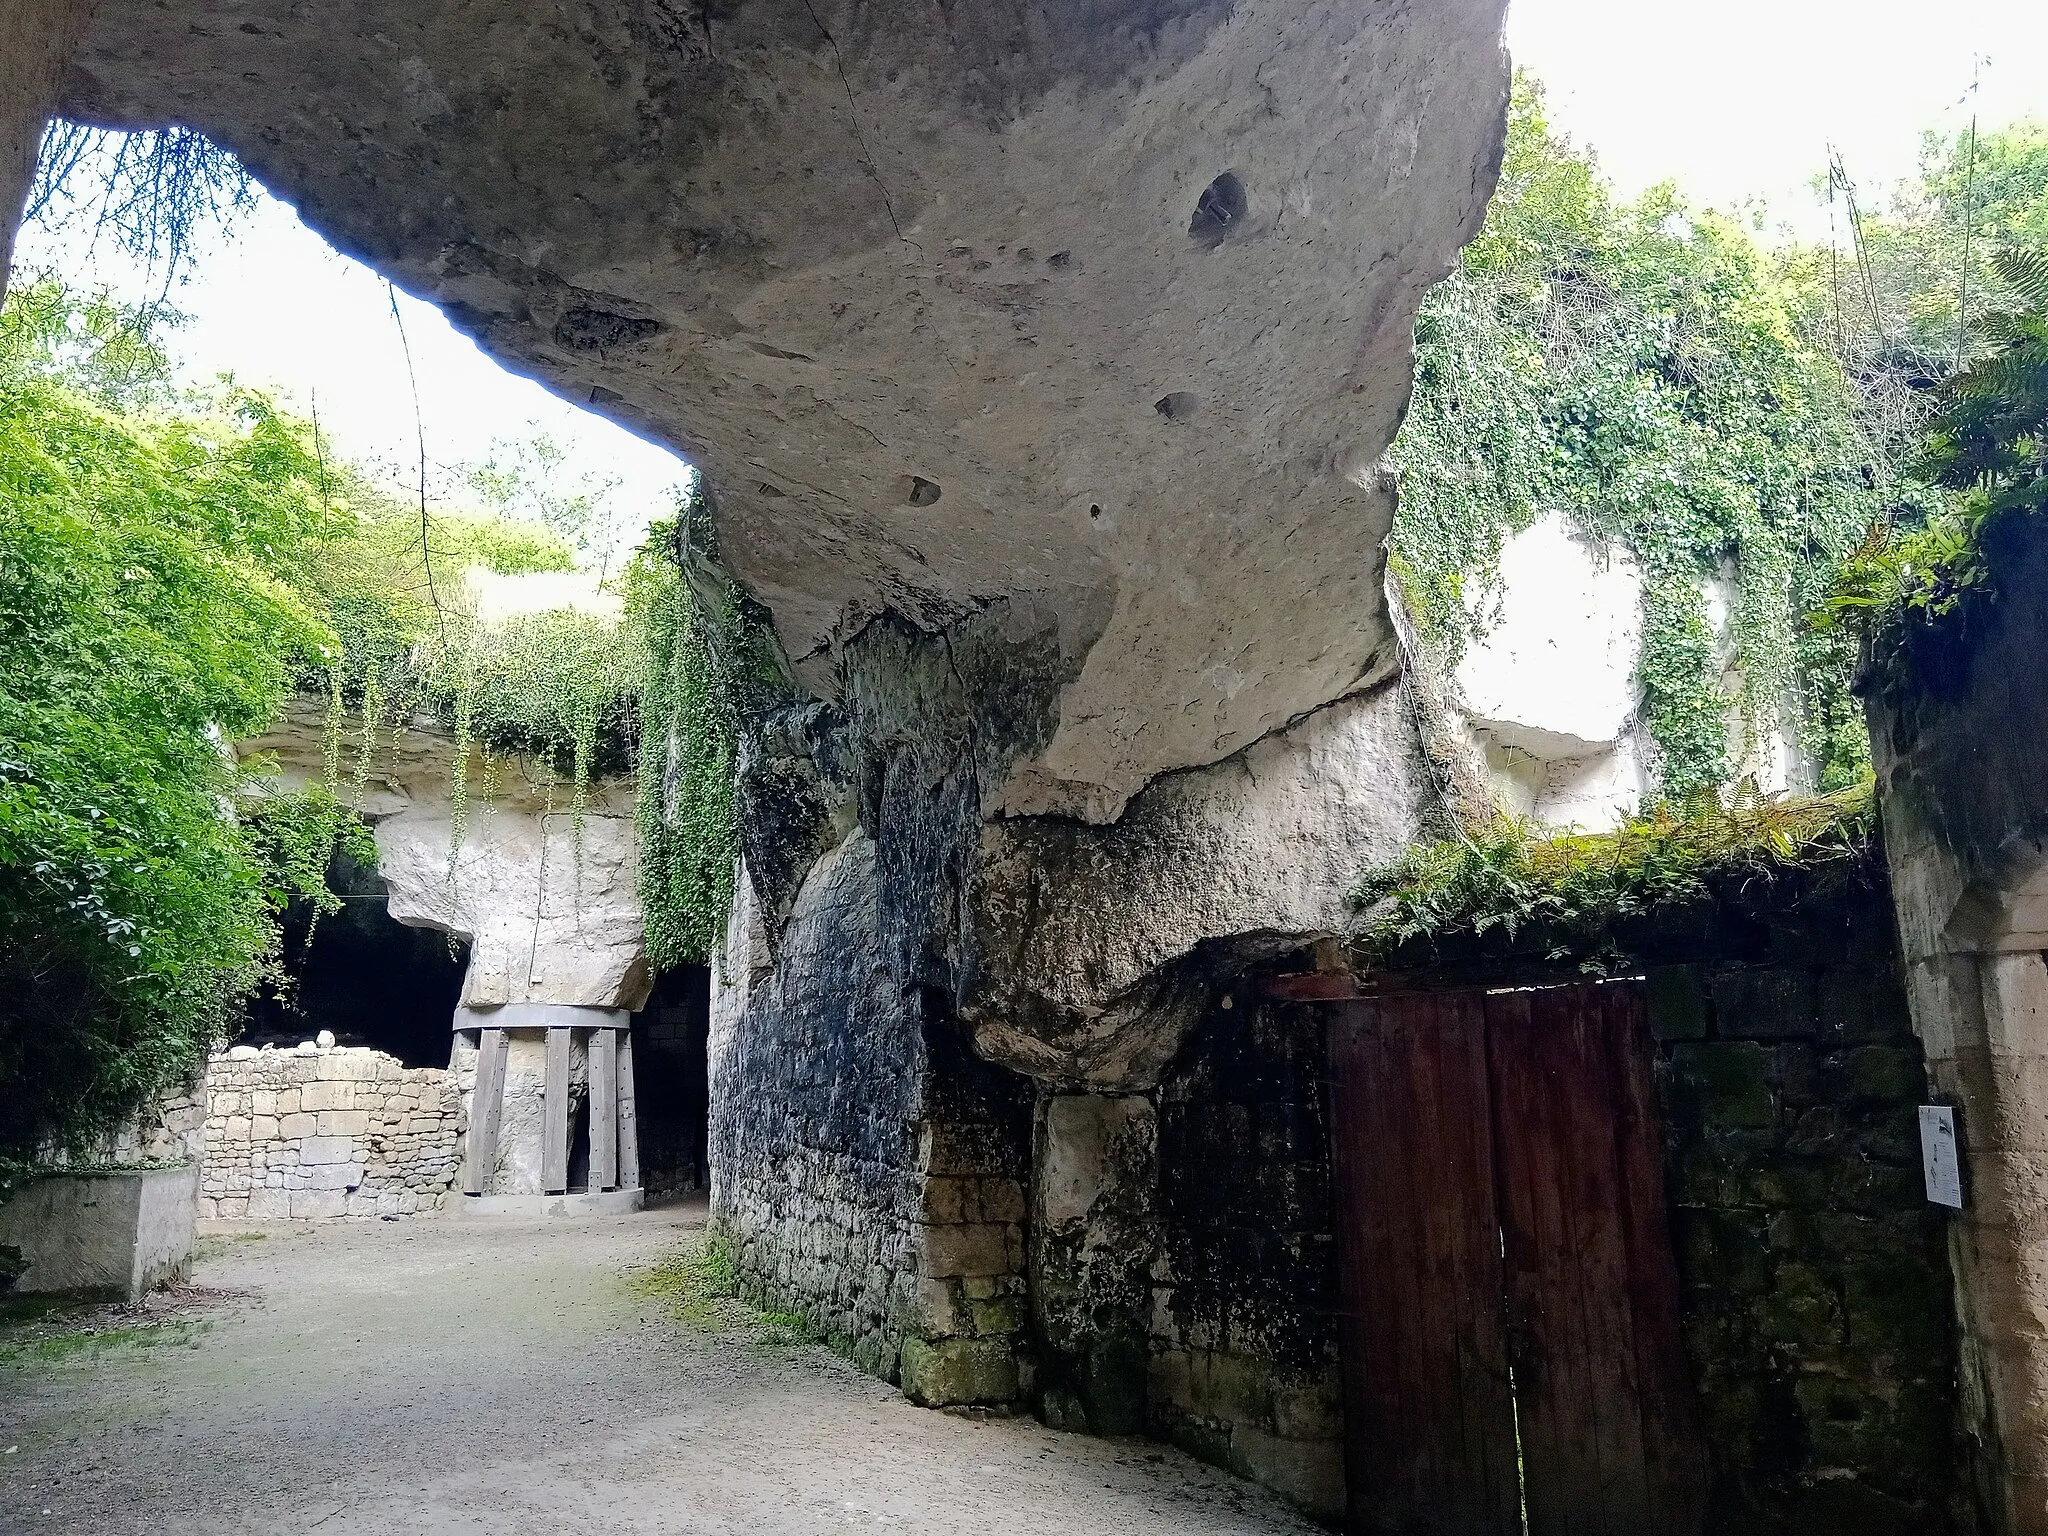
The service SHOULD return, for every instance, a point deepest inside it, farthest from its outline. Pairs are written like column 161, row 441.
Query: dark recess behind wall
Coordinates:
column 671, row 1083
column 366, row 976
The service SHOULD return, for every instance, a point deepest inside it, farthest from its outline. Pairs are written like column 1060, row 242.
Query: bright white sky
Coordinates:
column 1733, row 99
column 273, row 304
column 1740, row 98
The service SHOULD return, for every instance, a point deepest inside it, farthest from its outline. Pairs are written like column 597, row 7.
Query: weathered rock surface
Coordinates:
column 551, row 910
column 1040, row 356
column 1100, row 306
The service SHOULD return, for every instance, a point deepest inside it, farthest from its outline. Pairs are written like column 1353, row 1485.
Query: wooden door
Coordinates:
column 1601, row 1433
column 1430, row 1443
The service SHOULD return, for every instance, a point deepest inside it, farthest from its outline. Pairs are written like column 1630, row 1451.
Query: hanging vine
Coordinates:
column 685, row 811
column 1646, row 371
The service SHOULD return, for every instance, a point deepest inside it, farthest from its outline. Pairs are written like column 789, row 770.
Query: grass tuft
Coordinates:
column 700, row 1285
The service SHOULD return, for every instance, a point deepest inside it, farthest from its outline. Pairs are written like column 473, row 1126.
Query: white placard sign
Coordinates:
column 1939, row 1155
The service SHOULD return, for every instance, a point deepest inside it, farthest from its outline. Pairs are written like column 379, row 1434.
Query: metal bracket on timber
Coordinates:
column 1337, row 986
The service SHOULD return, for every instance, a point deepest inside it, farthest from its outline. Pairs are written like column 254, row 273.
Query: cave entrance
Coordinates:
column 671, row 1073
column 362, row 974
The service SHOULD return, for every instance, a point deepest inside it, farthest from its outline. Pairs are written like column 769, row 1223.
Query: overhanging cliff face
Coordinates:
column 1068, row 333
column 1105, row 306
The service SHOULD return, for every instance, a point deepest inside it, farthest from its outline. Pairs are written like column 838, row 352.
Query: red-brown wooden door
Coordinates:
column 1510, row 1301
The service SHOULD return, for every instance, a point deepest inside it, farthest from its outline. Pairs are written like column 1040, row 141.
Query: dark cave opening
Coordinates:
column 364, row 975
column 671, row 1081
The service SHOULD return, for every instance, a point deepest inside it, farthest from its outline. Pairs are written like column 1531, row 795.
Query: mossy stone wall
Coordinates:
column 1817, row 1298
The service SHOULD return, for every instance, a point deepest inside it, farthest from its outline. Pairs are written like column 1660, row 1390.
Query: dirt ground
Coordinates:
column 364, row 1379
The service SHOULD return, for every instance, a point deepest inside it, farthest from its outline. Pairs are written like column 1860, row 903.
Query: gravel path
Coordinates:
column 367, row 1379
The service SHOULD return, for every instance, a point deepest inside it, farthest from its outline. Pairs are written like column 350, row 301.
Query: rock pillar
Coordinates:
column 1960, row 741
column 40, row 35
column 1094, row 1239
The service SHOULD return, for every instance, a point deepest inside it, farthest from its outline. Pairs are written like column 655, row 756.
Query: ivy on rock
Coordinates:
column 685, row 810
column 1644, row 369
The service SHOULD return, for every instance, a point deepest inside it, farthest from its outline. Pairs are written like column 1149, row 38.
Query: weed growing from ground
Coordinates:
column 699, row 1283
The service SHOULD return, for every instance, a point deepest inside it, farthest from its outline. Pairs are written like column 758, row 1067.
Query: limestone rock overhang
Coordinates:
column 1102, row 310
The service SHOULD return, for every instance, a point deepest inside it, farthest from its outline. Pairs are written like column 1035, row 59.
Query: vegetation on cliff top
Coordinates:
column 1578, row 891
column 1646, row 370
column 172, row 567
column 1920, row 592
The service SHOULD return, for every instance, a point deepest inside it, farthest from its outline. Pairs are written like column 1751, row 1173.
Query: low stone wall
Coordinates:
column 111, row 1234
column 318, row 1132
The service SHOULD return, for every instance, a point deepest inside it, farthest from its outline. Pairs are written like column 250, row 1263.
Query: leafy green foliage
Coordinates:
column 1645, row 370
column 146, row 614
column 171, row 568
column 686, row 815
column 293, row 837
column 1930, row 252
column 1576, row 890
column 1921, row 589
column 529, row 480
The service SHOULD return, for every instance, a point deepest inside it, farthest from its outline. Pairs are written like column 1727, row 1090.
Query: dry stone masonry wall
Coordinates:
column 866, row 1168
column 326, row 1131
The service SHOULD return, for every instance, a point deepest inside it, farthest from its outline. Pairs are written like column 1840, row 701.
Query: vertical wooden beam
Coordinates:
column 554, row 1165
column 486, row 1105
column 629, row 1125
column 604, row 1109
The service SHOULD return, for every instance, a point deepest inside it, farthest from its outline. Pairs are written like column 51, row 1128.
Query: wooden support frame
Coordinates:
column 554, row 1168
column 604, row 1109
column 628, row 1120
column 486, row 1108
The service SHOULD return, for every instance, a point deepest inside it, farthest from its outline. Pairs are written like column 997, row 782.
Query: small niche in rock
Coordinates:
column 1220, row 209
column 599, row 330
column 918, row 491
column 364, row 975
column 1178, row 406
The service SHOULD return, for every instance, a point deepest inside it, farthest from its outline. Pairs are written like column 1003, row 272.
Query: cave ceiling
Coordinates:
column 1100, row 309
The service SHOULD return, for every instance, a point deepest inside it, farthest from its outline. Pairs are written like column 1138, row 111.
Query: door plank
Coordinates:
column 486, row 1106
column 1674, row 1438
column 629, row 1116
column 1430, row 1443
column 1608, row 1422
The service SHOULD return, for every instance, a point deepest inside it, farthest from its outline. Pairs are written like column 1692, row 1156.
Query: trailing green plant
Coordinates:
column 685, row 811
column 172, row 567
column 1576, row 890
column 146, row 613
column 1643, row 369
column 1920, row 592
column 294, row 835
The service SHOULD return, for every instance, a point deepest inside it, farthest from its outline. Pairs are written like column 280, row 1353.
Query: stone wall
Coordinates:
column 1243, row 1337
column 1962, row 771
column 866, row 1170
column 312, row 1132
column 1815, row 1273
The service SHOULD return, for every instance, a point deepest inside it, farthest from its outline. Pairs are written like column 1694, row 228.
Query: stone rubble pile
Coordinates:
column 323, row 1131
